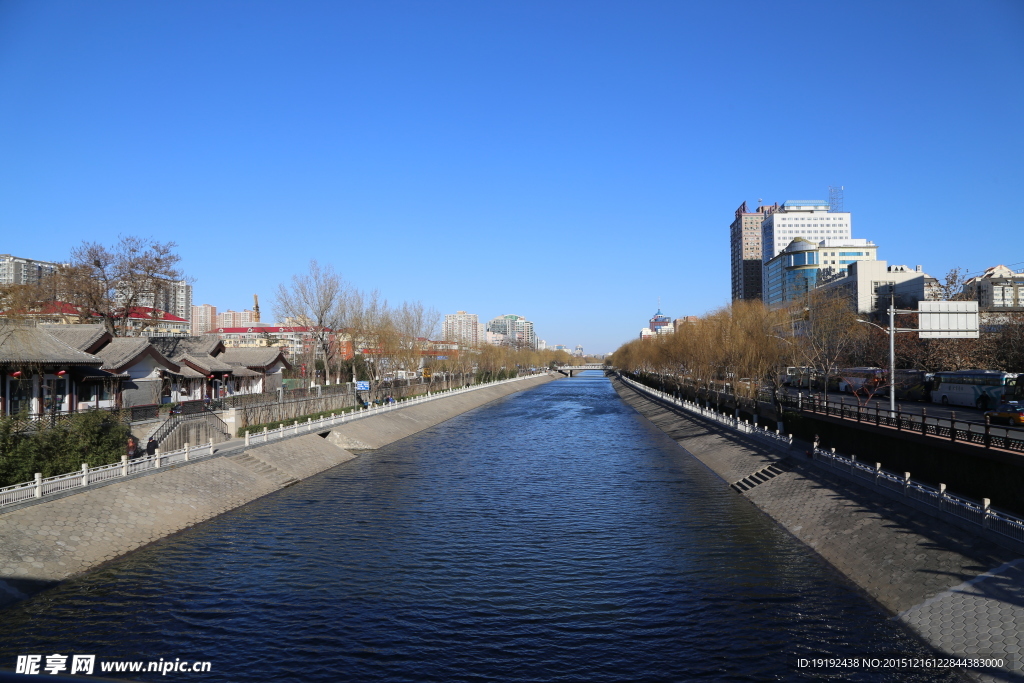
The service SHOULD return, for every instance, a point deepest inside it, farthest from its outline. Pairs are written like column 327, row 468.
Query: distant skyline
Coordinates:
column 569, row 162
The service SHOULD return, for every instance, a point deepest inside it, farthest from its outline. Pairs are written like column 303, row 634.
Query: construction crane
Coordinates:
column 255, row 308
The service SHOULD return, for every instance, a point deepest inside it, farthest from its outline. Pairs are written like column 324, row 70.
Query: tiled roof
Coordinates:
column 261, row 357
column 242, row 371
column 29, row 345
column 205, row 362
column 82, row 337
column 121, row 351
column 176, row 347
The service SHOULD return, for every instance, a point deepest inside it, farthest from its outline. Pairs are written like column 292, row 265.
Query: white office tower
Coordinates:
column 462, row 327
column 807, row 218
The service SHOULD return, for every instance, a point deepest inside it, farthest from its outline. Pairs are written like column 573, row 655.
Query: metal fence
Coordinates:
column 946, row 428
column 89, row 476
column 980, row 514
column 742, row 426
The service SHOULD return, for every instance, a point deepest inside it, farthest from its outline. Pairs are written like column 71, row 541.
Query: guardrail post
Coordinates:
column 124, row 465
column 156, row 463
column 85, row 474
column 952, row 426
column 924, row 421
column 988, row 436
column 906, row 482
column 899, row 419
column 296, row 426
column 878, row 472
column 265, row 436
column 39, row 484
column 247, row 437
column 942, row 494
column 187, row 454
column 986, row 508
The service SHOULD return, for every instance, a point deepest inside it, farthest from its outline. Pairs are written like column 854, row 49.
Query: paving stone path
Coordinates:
column 962, row 594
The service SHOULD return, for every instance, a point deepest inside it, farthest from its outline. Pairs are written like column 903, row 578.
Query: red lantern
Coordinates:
column 209, row 377
column 61, row 373
column 16, row 375
column 225, row 375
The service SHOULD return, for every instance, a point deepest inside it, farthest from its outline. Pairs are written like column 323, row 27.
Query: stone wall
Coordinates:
column 914, row 566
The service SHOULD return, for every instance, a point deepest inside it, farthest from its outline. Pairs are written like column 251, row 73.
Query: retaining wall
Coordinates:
column 916, row 567
column 44, row 543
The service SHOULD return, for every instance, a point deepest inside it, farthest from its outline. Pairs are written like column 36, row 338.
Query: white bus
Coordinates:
column 982, row 389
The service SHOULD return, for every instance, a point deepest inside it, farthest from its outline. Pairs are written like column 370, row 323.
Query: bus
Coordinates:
column 981, row 389
column 912, row 385
column 1014, row 390
column 861, row 380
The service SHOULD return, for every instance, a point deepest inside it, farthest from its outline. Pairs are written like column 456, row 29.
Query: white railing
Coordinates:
column 89, row 476
column 980, row 514
column 333, row 420
column 742, row 426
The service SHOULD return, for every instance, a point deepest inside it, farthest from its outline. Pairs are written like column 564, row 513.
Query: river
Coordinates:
column 553, row 535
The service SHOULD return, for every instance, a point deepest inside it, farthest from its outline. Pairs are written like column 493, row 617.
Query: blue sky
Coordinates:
column 567, row 161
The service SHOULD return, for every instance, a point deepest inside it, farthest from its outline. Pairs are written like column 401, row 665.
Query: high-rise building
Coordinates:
column 810, row 219
column 462, row 327
column 231, row 318
column 173, row 297
column 745, row 248
column 807, row 218
column 517, row 330
column 15, row 270
column 204, row 319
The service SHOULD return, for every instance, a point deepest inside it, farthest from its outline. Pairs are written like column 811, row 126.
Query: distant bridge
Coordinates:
column 568, row 370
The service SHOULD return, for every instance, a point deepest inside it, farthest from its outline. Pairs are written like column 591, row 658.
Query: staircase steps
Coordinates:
column 759, row 477
column 264, row 469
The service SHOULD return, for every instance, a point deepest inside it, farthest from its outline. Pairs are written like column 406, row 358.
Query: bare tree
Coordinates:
column 829, row 331
column 113, row 283
column 320, row 300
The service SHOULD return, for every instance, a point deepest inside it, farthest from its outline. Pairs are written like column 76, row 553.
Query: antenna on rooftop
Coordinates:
column 835, row 199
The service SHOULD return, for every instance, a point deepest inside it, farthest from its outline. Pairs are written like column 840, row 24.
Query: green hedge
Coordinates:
column 302, row 418
column 94, row 437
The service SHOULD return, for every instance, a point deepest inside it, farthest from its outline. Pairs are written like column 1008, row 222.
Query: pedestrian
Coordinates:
column 131, row 447
column 151, row 446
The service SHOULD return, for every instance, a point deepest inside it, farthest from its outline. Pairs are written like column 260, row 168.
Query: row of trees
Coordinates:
column 387, row 338
column 749, row 340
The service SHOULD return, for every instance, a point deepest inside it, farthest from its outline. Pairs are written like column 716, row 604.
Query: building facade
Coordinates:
column 867, row 285
column 204, row 319
column 997, row 289
column 804, row 264
column 15, row 270
column 173, row 297
column 231, row 318
column 517, row 330
column 807, row 218
column 746, row 252
column 462, row 327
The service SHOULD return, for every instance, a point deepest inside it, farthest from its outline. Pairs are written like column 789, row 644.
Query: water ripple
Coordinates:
column 551, row 536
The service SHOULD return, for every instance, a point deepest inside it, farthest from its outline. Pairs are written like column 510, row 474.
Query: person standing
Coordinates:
column 151, row 446
column 132, row 448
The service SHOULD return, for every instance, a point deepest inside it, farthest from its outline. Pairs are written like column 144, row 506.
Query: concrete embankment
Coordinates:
column 48, row 542
column 962, row 594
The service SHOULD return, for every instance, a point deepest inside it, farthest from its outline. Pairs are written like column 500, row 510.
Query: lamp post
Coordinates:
column 892, row 348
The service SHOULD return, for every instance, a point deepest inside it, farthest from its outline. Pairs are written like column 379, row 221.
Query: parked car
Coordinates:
column 1008, row 413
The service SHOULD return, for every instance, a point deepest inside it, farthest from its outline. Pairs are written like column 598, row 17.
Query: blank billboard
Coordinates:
column 948, row 319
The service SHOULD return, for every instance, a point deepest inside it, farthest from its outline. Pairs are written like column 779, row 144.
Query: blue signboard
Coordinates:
column 362, row 386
